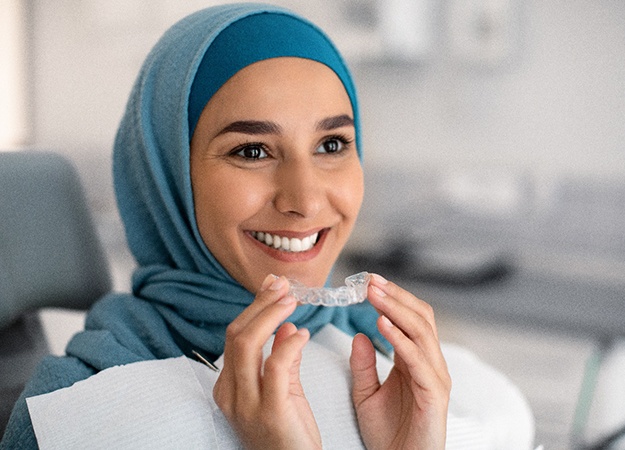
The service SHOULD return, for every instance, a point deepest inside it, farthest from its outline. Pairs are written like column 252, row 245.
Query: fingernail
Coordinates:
column 303, row 332
column 267, row 282
column 379, row 278
column 379, row 292
column 386, row 321
column 287, row 300
column 277, row 283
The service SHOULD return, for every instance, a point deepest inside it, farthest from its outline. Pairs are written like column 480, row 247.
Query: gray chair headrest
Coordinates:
column 50, row 254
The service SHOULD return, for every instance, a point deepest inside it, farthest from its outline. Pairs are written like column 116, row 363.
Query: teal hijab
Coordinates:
column 182, row 298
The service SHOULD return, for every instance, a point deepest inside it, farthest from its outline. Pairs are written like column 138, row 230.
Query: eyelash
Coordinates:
column 344, row 140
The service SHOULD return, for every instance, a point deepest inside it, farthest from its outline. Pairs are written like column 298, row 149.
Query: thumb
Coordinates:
column 285, row 330
column 364, row 374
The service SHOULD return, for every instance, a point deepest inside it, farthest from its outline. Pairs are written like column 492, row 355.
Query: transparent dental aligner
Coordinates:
column 354, row 291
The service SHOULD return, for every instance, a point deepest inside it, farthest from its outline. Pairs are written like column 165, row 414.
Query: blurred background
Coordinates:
column 493, row 133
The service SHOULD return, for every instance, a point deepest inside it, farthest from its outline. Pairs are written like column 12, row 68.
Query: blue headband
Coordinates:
column 258, row 37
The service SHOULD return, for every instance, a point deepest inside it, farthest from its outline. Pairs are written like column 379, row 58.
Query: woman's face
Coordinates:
column 277, row 182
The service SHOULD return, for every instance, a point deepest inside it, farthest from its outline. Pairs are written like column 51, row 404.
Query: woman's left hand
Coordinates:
column 409, row 410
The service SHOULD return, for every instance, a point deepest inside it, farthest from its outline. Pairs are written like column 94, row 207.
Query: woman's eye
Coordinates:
column 252, row 152
column 332, row 145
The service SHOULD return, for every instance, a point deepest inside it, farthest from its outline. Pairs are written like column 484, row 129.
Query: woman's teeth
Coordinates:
column 286, row 244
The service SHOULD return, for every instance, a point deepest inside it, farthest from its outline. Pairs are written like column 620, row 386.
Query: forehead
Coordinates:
column 286, row 81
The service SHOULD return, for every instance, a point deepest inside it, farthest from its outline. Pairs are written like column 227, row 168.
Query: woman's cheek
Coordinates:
column 349, row 192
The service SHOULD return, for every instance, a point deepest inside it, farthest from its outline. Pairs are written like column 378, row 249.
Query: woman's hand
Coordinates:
column 265, row 403
column 410, row 409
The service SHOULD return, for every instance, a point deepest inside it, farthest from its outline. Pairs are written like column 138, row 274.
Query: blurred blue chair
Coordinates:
column 50, row 256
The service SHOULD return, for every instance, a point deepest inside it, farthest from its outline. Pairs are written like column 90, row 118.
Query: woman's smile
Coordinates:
column 282, row 242
column 290, row 246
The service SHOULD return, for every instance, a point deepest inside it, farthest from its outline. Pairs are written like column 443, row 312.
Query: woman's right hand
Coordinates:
column 264, row 401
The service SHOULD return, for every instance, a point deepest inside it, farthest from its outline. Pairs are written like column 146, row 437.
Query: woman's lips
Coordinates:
column 278, row 245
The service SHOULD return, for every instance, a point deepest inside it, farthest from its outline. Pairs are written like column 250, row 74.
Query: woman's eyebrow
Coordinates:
column 331, row 123
column 252, row 127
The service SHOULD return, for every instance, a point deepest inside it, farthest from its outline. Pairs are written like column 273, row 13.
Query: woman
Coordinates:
column 237, row 166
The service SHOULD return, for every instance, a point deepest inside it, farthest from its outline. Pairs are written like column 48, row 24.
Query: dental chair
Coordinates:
column 50, row 257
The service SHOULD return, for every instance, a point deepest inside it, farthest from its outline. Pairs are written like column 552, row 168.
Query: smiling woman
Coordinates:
column 237, row 167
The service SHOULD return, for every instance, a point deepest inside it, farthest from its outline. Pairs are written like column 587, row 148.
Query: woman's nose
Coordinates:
column 300, row 189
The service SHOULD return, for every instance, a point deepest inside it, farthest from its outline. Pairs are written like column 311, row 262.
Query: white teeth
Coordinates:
column 295, row 245
column 285, row 244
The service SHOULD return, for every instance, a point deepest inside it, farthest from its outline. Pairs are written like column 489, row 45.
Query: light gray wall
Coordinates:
column 555, row 106
column 558, row 106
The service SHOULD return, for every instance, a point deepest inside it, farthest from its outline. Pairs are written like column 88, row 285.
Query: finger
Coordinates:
column 286, row 329
column 258, row 331
column 364, row 373
column 382, row 286
column 272, row 290
column 270, row 307
column 414, row 325
column 421, row 371
column 245, row 343
column 243, row 356
column 281, row 371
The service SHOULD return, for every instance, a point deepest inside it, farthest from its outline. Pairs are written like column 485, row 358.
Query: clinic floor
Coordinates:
column 548, row 368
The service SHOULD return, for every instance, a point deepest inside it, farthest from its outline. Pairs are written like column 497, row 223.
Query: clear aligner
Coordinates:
column 354, row 291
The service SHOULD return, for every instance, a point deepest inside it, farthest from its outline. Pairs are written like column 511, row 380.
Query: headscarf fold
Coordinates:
column 182, row 298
